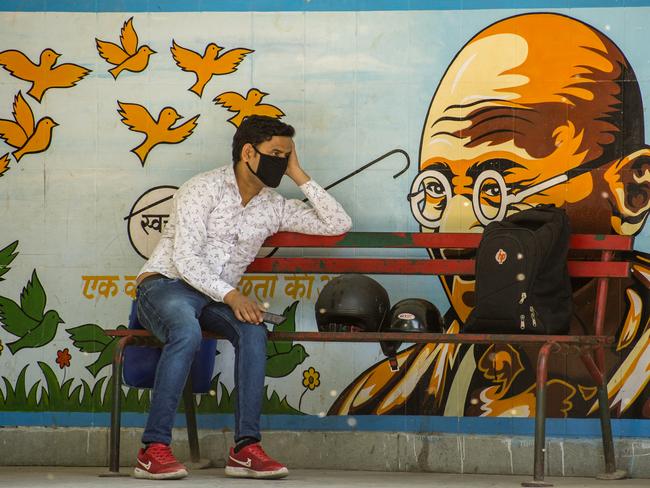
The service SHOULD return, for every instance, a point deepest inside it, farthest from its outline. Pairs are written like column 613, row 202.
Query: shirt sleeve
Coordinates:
column 193, row 203
column 325, row 216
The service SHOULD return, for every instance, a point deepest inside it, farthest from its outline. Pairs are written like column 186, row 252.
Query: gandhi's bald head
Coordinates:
column 532, row 97
column 545, row 69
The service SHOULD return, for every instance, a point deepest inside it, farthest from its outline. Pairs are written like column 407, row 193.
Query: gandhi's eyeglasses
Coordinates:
column 491, row 197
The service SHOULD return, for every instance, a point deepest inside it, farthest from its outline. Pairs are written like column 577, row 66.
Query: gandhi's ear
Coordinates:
column 629, row 187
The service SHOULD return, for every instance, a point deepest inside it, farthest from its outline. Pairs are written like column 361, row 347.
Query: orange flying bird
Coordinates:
column 129, row 57
column 244, row 107
column 160, row 131
column 210, row 64
column 4, row 164
column 44, row 75
column 22, row 134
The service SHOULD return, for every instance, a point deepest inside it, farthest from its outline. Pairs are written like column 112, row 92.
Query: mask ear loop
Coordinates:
column 251, row 169
column 255, row 149
column 248, row 164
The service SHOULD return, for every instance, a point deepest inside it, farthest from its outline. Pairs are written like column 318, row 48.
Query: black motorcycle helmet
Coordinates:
column 351, row 302
column 410, row 315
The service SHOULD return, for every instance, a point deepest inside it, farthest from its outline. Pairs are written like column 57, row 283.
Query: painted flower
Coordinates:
column 311, row 378
column 63, row 358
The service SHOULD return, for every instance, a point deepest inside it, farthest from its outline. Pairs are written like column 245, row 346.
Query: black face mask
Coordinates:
column 271, row 169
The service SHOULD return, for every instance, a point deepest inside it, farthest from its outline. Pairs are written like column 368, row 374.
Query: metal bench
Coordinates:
column 591, row 348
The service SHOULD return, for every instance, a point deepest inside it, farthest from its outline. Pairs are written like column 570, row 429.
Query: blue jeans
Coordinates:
column 175, row 313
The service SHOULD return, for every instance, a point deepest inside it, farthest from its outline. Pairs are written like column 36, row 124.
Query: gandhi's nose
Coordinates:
column 459, row 216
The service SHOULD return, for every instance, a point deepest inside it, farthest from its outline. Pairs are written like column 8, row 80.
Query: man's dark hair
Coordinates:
column 257, row 129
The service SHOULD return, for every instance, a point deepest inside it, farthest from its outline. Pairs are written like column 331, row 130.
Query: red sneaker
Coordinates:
column 158, row 463
column 253, row 462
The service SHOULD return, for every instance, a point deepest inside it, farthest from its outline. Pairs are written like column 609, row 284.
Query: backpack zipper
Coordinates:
column 532, row 316
column 522, row 321
column 523, row 298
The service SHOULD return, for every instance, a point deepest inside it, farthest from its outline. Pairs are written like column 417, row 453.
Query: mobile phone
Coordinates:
column 273, row 318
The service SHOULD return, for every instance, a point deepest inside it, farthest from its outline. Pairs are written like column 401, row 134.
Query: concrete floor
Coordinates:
column 64, row 477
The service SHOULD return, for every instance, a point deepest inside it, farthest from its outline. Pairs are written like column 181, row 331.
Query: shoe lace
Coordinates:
column 161, row 453
column 257, row 451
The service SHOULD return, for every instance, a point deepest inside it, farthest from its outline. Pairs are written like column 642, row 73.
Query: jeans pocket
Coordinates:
column 147, row 285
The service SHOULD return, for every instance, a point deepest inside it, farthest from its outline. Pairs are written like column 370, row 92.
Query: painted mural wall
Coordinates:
column 104, row 114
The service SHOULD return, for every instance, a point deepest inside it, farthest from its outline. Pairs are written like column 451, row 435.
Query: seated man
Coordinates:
column 218, row 224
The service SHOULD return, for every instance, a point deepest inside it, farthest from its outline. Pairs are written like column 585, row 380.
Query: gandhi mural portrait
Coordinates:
column 535, row 109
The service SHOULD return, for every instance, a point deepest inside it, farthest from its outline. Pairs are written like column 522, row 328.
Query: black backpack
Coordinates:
column 522, row 280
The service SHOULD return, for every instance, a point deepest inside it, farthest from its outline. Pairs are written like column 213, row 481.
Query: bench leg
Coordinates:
column 116, row 410
column 598, row 374
column 611, row 473
column 540, row 418
column 192, row 431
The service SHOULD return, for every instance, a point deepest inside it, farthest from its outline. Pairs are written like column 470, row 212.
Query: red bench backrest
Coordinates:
column 603, row 267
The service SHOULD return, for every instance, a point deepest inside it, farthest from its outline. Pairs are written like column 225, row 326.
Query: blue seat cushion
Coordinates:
column 140, row 362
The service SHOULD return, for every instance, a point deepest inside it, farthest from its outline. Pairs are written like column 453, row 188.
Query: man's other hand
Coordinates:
column 245, row 309
column 294, row 170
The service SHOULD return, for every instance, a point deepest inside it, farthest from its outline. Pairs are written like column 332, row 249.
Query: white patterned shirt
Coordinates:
column 211, row 238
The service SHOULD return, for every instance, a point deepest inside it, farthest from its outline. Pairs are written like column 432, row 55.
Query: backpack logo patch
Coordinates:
column 501, row 256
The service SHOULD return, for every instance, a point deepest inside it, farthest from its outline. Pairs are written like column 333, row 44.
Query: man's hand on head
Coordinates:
column 244, row 308
column 294, row 171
